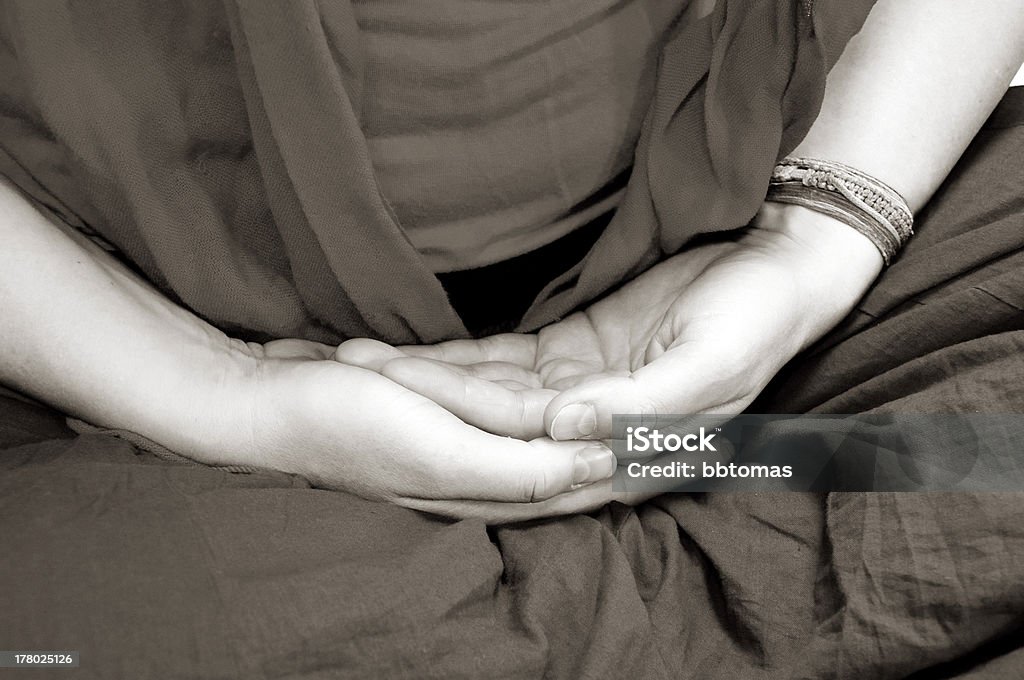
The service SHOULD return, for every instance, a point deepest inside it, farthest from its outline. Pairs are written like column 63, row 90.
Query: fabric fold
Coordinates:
column 219, row 147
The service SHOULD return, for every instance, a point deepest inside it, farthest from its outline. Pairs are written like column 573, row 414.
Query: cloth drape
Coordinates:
column 218, row 147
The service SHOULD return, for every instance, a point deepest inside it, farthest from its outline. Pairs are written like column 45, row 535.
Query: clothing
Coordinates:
column 491, row 126
column 158, row 570
column 220, row 148
column 493, row 299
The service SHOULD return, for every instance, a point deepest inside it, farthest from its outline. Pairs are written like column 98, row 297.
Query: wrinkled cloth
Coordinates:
column 219, row 147
column 153, row 569
column 495, row 128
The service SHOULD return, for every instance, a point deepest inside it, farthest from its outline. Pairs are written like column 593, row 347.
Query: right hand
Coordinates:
column 85, row 334
column 344, row 427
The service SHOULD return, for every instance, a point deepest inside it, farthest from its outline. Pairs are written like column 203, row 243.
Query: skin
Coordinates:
column 703, row 332
column 706, row 330
column 284, row 405
column 508, row 427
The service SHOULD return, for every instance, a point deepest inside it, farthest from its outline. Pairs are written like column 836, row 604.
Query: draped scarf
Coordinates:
column 219, row 149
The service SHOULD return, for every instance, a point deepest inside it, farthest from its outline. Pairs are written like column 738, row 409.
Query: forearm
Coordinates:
column 83, row 333
column 914, row 86
column 901, row 104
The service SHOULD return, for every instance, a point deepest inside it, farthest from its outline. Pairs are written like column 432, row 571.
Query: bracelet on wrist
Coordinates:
column 864, row 203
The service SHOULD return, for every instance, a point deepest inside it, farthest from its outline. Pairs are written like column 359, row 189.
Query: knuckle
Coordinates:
column 648, row 406
column 534, row 482
column 520, row 409
column 536, row 488
column 361, row 350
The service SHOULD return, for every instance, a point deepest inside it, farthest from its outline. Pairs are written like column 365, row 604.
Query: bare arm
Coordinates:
column 85, row 334
column 914, row 86
column 902, row 103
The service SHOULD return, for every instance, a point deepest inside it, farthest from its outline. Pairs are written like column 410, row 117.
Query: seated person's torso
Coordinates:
column 496, row 127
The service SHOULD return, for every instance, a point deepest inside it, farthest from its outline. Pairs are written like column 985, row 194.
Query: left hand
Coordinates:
column 701, row 333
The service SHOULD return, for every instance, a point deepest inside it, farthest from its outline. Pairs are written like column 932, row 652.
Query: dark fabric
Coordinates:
column 520, row 110
column 218, row 145
column 493, row 299
column 157, row 570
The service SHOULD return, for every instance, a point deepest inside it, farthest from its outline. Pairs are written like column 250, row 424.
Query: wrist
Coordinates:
column 844, row 261
column 832, row 264
column 204, row 404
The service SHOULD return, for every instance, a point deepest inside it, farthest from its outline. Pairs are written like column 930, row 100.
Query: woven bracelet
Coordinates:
column 868, row 205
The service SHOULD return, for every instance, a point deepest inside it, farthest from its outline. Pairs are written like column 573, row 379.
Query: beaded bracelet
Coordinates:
column 868, row 205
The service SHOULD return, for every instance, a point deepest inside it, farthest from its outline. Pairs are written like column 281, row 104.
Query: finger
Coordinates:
column 513, row 385
column 688, row 379
column 561, row 370
column 366, row 353
column 293, row 348
column 585, row 373
column 585, row 499
column 514, row 348
column 582, row 500
column 503, row 370
column 391, row 442
column 464, row 463
column 494, row 370
column 483, row 403
column 571, row 351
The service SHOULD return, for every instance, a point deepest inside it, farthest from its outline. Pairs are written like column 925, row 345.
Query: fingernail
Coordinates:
column 593, row 464
column 574, row 421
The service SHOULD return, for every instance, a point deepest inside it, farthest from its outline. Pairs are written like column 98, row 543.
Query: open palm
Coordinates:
column 702, row 332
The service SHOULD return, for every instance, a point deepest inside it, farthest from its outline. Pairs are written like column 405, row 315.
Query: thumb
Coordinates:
column 683, row 381
column 487, row 467
column 366, row 353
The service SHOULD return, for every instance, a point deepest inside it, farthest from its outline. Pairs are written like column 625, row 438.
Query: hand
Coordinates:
column 347, row 428
column 703, row 332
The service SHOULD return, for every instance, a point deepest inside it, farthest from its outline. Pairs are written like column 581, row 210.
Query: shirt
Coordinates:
column 497, row 127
